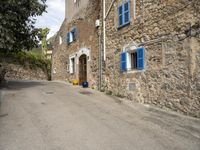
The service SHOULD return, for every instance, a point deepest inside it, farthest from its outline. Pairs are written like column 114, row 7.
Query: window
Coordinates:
column 132, row 60
column 60, row 40
column 71, row 36
column 124, row 14
column 73, row 32
column 72, row 65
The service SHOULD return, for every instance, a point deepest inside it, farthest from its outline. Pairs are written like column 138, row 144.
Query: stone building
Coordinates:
column 151, row 50
column 77, row 43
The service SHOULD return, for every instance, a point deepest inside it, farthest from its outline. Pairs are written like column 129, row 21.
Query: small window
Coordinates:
column 60, row 40
column 124, row 14
column 71, row 36
column 132, row 60
column 72, row 65
column 73, row 32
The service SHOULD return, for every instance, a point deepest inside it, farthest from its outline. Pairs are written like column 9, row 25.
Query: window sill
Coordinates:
column 71, row 42
column 133, row 71
column 126, row 24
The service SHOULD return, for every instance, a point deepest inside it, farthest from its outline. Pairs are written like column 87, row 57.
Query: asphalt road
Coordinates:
column 57, row 116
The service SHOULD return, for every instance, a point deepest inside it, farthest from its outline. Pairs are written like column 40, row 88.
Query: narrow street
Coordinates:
column 56, row 116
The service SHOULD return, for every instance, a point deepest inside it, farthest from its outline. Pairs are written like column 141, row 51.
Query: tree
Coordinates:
column 42, row 34
column 17, row 19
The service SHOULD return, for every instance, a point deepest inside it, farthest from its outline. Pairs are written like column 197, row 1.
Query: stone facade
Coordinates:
column 169, row 32
column 86, row 43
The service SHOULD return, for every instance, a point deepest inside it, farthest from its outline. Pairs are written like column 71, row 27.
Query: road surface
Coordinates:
column 56, row 116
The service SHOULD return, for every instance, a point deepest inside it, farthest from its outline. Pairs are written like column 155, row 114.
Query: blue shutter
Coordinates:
column 126, row 12
column 120, row 15
column 140, row 58
column 123, row 61
column 68, row 37
column 75, row 34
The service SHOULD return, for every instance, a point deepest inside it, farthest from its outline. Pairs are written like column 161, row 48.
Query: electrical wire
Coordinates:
column 165, row 16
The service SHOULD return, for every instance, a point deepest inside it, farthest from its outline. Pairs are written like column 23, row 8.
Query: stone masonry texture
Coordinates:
column 87, row 37
column 169, row 30
column 171, row 76
column 11, row 69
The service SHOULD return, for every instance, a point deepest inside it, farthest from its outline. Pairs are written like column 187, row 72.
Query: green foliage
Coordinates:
column 36, row 50
column 29, row 59
column 42, row 34
column 17, row 18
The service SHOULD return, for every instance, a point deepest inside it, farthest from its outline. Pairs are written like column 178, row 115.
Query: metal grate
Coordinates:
column 85, row 92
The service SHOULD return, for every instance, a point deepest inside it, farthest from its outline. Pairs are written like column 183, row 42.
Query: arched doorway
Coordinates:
column 82, row 69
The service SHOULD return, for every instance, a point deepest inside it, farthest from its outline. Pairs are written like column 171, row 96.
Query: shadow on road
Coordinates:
column 18, row 85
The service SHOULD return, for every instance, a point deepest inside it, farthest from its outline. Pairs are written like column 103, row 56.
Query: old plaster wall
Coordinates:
column 171, row 77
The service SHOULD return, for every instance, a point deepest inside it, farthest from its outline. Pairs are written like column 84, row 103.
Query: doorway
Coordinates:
column 82, row 69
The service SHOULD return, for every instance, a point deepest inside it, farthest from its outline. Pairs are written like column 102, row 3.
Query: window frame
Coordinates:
column 60, row 40
column 133, row 60
column 72, row 65
column 129, row 60
column 122, row 15
column 72, row 36
column 140, row 66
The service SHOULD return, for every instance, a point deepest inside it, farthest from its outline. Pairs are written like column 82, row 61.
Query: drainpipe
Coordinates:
column 100, row 62
column 104, row 30
column 109, row 9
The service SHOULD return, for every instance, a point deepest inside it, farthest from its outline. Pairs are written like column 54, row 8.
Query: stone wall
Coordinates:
column 169, row 30
column 19, row 72
column 15, row 71
column 87, row 39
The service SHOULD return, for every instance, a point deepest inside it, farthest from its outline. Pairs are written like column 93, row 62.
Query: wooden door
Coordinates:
column 82, row 69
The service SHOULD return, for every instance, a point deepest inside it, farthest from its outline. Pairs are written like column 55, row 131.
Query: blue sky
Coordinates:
column 54, row 16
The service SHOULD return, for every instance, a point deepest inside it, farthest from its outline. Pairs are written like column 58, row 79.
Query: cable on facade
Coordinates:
column 167, row 15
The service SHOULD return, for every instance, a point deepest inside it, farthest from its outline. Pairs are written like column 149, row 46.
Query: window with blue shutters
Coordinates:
column 124, row 61
column 132, row 60
column 72, row 36
column 120, row 15
column 68, row 37
column 124, row 14
column 140, row 58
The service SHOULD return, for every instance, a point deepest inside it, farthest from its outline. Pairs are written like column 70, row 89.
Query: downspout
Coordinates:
column 112, row 3
column 100, row 61
column 104, row 30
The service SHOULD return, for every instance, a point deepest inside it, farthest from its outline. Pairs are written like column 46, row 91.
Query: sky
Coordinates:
column 53, row 18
